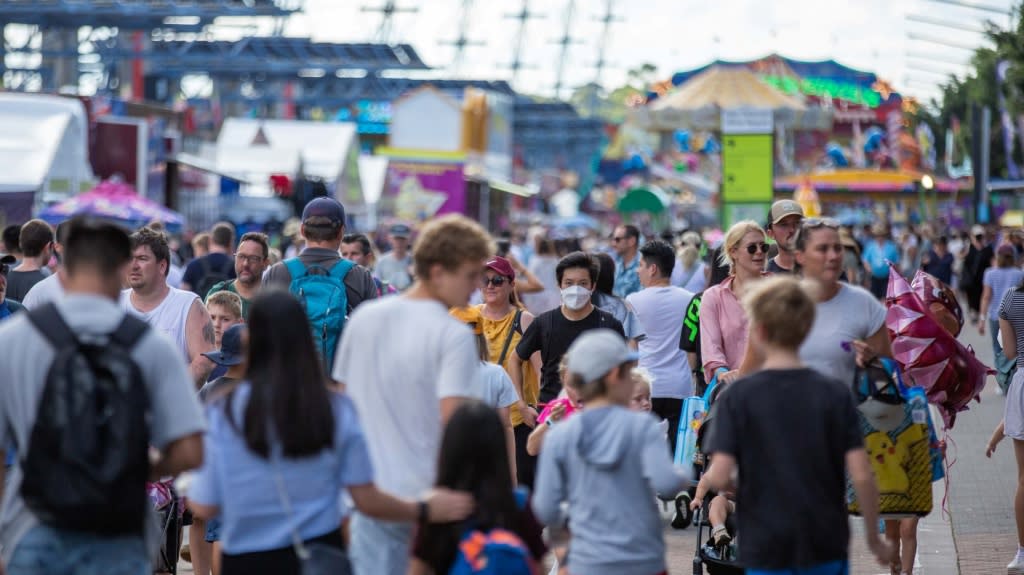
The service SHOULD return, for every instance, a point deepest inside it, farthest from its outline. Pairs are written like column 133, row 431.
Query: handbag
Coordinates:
column 314, row 558
column 894, row 423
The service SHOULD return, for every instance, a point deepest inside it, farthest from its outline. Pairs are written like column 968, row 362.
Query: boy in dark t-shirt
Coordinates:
column 553, row 331
column 793, row 434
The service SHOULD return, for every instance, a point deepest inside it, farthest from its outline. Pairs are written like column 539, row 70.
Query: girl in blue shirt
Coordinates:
column 284, row 426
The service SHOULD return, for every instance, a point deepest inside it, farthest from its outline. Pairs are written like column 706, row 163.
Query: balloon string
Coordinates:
column 947, row 440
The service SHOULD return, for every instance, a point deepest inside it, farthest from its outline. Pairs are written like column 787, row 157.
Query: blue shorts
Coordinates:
column 830, row 568
column 212, row 530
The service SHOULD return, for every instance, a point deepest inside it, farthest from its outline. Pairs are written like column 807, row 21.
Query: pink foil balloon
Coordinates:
column 929, row 354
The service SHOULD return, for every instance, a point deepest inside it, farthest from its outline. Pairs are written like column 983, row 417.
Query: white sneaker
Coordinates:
column 1016, row 567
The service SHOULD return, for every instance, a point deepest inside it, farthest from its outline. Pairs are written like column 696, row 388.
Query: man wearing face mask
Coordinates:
column 552, row 332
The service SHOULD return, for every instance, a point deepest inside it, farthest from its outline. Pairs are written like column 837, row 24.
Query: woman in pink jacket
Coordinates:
column 723, row 322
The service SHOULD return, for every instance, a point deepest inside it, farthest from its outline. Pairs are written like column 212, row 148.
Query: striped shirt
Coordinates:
column 1012, row 310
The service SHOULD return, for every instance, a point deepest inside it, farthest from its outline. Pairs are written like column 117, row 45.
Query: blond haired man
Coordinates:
column 407, row 365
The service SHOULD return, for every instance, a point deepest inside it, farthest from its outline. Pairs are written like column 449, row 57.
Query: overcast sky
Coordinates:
column 672, row 34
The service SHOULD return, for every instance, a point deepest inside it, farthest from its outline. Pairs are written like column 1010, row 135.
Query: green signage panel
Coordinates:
column 732, row 213
column 747, row 168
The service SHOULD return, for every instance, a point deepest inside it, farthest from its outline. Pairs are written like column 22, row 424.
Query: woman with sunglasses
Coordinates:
column 849, row 330
column 723, row 321
column 504, row 321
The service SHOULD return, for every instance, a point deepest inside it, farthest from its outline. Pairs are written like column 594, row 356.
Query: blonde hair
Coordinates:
column 688, row 255
column 782, row 309
column 450, row 241
column 230, row 301
column 201, row 241
column 641, row 375
column 734, row 236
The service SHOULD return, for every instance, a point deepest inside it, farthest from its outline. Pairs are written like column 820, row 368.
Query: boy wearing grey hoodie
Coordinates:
column 607, row 463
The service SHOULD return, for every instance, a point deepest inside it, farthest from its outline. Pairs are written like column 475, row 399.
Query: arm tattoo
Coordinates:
column 208, row 336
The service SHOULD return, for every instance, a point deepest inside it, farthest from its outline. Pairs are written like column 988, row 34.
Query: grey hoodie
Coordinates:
column 608, row 463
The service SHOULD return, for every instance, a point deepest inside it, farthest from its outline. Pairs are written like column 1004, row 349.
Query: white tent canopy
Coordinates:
column 44, row 141
column 259, row 148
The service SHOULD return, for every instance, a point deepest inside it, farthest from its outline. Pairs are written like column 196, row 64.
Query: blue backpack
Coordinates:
column 325, row 298
column 494, row 552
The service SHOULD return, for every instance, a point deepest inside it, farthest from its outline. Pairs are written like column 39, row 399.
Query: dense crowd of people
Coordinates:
column 323, row 408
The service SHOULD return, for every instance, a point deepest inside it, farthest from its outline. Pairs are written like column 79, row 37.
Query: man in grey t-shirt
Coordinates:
column 96, row 258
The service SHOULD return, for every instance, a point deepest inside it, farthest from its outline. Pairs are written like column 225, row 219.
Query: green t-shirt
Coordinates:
column 229, row 285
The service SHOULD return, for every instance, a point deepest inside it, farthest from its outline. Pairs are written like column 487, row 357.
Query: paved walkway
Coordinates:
column 978, row 534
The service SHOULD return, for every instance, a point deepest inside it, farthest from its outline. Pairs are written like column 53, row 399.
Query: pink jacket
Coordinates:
column 723, row 329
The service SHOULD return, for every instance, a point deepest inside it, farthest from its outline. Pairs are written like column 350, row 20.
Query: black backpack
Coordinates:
column 87, row 460
column 211, row 276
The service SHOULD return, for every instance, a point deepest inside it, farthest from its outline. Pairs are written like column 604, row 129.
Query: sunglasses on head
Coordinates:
column 496, row 281
column 753, row 248
column 809, row 224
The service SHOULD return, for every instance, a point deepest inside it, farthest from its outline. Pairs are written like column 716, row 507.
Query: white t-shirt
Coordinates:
column 498, row 389
column 398, row 357
column 45, row 291
column 661, row 311
column 852, row 314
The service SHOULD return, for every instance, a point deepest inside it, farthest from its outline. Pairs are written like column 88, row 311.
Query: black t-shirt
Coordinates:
column 789, row 431
column 215, row 262
column 18, row 283
column 551, row 333
column 774, row 268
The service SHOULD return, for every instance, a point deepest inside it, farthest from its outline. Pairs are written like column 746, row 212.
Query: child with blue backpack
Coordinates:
column 502, row 536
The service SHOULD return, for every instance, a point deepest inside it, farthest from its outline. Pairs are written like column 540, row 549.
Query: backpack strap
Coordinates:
column 341, row 269
column 508, row 338
column 49, row 322
column 129, row 332
column 296, row 268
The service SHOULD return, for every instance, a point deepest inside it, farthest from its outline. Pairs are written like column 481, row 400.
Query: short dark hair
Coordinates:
column 259, row 238
column 577, row 260
column 661, row 254
column 11, row 238
column 631, row 231
column 102, row 246
column 157, row 243
column 315, row 231
column 360, row 239
column 34, row 237
column 223, row 235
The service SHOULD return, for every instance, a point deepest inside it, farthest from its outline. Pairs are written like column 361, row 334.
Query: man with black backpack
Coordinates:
column 218, row 266
column 329, row 286
column 88, row 389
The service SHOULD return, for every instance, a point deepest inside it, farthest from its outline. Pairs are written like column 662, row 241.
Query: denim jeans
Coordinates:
column 48, row 551
column 379, row 547
column 1003, row 366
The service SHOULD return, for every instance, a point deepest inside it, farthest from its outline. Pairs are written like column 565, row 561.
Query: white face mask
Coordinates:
column 575, row 297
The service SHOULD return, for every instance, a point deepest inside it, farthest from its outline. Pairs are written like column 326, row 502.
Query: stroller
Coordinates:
column 170, row 522
column 719, row 561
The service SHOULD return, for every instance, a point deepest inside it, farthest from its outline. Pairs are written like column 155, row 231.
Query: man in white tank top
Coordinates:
column 179, row 314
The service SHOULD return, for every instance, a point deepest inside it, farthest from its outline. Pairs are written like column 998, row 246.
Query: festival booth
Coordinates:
column 450, row 153
column 44, row 152
column 747, row 117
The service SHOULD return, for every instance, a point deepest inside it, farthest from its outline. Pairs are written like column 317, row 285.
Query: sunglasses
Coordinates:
column 496, row 281
column 617, row 240
column 753, row 248
column 810, row 224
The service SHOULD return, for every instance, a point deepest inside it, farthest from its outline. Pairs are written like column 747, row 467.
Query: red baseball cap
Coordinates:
column 502, row 266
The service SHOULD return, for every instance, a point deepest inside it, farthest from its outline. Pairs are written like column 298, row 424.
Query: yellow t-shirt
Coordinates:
column 496, row 332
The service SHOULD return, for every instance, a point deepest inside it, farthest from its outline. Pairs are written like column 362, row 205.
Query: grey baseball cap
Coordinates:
column 596, row 352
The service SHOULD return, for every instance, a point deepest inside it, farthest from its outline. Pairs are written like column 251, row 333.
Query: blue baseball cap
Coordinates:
column 325, row 208
column 230, row 352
